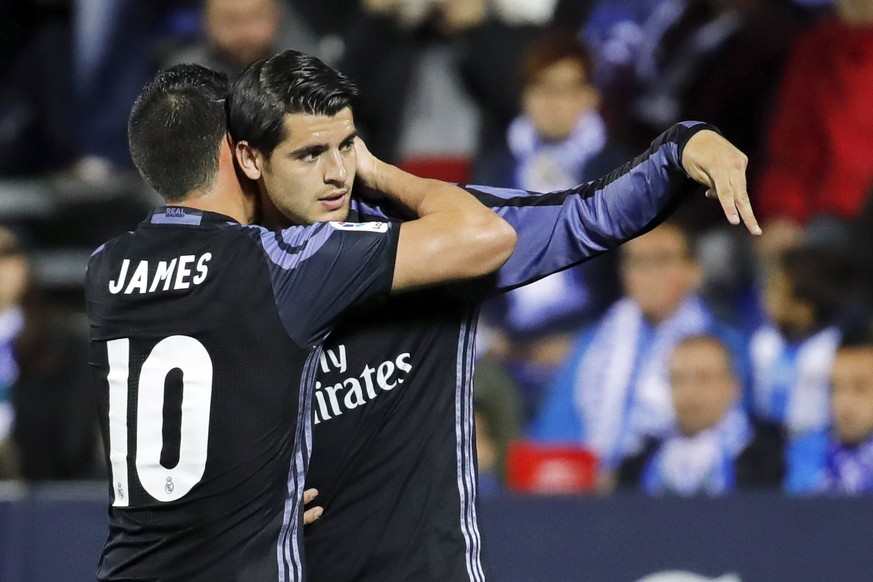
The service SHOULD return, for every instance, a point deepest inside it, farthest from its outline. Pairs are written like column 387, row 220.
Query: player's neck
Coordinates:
column 226, row 195
column 211, row 201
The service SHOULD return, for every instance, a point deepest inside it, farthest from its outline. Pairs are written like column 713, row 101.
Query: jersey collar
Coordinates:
column 184, row 215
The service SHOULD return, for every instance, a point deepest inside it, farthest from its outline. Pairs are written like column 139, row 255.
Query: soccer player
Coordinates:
column 206, row 334
column 393, row 454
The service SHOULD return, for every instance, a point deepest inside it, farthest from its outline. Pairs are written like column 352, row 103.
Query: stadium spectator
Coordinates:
column 238, row 32
column 839, row 460
column 613, row 391
column 558, row 141
column 714, row 448
column 427, row 59
column 792, row 354
column 820, row 141
column 44, row 376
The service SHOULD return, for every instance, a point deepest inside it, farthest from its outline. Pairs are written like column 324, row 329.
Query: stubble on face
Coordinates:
column 309, row 176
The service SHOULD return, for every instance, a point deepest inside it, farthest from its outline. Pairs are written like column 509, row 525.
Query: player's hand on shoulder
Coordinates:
column 312, row 514
column 716, row 163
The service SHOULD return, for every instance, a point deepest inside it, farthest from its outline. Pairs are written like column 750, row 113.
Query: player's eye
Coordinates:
column 308, row 156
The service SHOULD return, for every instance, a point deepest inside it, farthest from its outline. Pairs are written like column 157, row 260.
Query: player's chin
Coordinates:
column 337, row 214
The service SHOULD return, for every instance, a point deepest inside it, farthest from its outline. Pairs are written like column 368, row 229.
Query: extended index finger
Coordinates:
column 742, row 203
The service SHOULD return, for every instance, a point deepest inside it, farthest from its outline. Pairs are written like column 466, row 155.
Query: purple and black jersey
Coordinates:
column 394, row 441
column 205, row 341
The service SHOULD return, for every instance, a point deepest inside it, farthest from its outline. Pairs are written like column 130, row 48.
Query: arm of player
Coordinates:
column 560, row 229
column 320, row 270
column 454, row 235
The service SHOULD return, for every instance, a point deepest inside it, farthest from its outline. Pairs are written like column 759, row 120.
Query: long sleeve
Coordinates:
column 558, row 230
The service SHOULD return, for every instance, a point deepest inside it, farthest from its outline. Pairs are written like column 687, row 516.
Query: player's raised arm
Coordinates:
column 454, row 237
column 560, row 229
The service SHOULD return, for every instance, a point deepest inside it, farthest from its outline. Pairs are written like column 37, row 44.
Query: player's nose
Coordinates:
column 335, row 169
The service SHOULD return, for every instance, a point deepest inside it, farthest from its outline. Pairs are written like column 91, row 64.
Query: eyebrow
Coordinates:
column 319, row 148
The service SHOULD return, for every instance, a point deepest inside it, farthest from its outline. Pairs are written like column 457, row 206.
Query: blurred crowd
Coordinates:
column 695, row 360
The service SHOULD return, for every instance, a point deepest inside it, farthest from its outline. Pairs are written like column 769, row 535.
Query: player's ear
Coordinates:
column 249, row 159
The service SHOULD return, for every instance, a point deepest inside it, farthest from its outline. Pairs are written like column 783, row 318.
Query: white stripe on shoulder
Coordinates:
column 360, row 226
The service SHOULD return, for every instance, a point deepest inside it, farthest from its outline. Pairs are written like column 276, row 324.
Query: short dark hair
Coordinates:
column 857, row 333
column 176, row 127
column 289, row 82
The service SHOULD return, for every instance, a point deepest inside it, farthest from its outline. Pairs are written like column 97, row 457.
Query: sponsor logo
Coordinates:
column 335, row 398
column 361, row 226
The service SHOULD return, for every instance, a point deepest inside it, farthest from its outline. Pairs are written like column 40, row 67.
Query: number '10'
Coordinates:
column 163, row 484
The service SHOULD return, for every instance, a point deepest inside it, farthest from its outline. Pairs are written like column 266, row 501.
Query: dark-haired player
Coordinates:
column 206, row 333
column 393, row 453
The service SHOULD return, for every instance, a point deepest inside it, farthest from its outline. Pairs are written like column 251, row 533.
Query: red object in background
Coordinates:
column 446, row 168
column 550, row 468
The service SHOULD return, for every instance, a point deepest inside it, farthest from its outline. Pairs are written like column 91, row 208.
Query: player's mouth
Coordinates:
column 334, row 201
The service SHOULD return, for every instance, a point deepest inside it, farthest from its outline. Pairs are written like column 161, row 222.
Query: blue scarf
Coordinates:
column 702, row 463
column 791, row 382
column 621, row 391
column 544, row 166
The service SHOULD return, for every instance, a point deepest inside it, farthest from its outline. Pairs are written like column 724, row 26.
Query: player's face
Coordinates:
column 309, row 175
column 852, row 396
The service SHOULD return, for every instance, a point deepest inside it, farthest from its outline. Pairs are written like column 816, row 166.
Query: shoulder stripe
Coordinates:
column 289, row 247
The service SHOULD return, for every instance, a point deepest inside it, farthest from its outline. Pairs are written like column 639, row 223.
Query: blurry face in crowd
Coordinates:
column 14, row 271
column 309, row 175
column 791, row 315
column 852, row 396
column 557, row 97
column 703, row 384
column 244, row 30
column 658, row 271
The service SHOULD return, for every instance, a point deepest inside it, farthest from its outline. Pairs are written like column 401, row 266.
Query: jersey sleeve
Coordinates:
column 558, row 230
column 321, row 270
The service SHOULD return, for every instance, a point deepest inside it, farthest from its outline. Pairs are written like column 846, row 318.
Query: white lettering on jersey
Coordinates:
column 176, row 274
column 332, row 401
column 338, row 359
column 361, row 226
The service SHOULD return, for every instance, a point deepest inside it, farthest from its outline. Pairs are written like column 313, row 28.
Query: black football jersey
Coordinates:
column 394, row 447
column 205, row 340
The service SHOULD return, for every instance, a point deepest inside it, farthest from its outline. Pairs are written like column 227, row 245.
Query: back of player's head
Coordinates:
column 286, row 83
column 176, row 127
